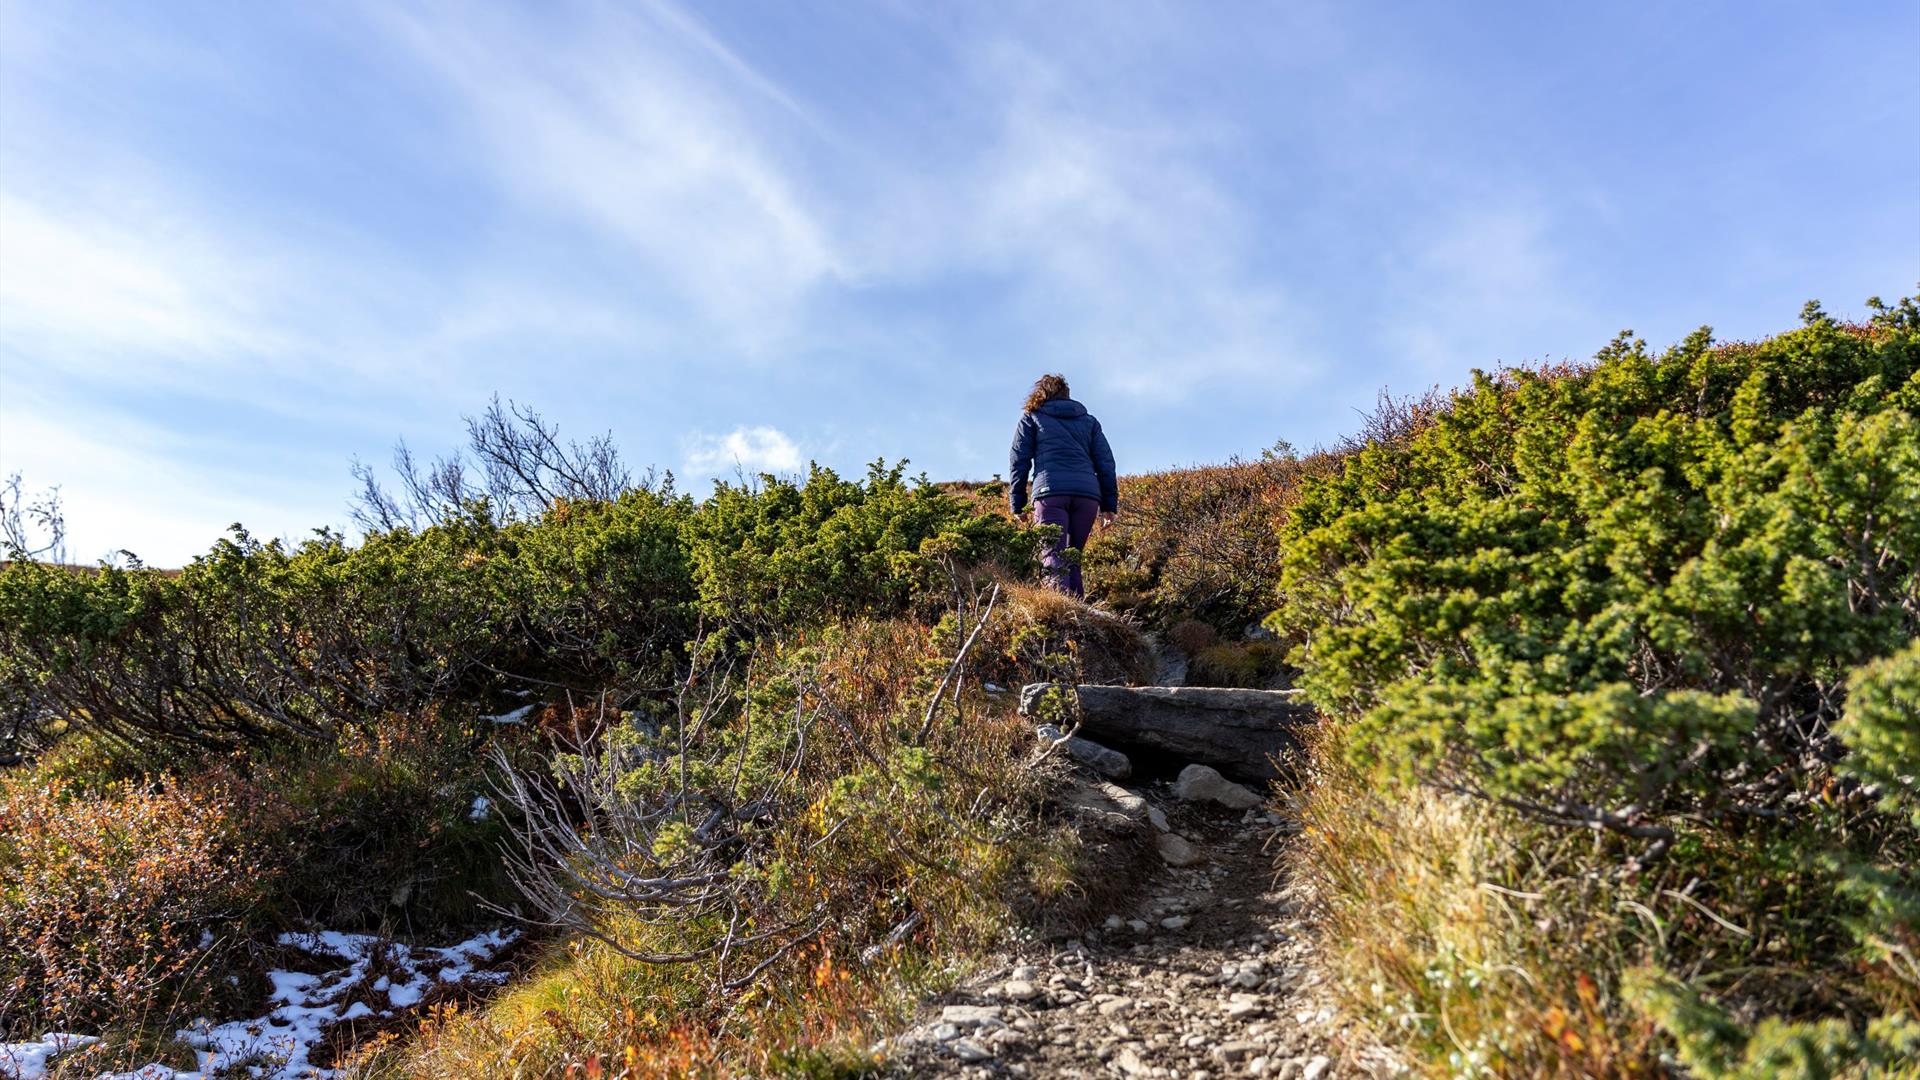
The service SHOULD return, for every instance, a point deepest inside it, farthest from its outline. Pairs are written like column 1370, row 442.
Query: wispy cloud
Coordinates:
column 1132, row 258
column 609, row 118
column 744, row 449
column 91, row 285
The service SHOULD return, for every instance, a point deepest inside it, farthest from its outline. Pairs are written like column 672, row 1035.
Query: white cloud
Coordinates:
column 92, row 283
column 744, row 449
column 1130, row 263
column 639, row 124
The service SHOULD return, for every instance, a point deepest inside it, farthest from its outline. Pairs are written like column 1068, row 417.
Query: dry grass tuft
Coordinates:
column 1039, row 635
column 1465, row 936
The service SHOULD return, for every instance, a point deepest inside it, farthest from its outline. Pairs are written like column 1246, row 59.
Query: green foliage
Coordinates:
column 1670, row 599
column 1715, row 1047
column 1882, row 730
column 1626, row 586
column 785, row 554
column 257, row 641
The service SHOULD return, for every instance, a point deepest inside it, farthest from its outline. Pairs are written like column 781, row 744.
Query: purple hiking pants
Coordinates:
column 1075, row 515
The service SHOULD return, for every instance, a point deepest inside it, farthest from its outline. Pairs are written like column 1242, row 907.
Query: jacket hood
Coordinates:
column 1064, row 408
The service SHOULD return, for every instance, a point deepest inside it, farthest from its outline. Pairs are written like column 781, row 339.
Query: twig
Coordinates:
column 926, row 723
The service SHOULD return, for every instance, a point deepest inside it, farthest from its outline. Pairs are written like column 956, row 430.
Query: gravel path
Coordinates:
column 1209, row 975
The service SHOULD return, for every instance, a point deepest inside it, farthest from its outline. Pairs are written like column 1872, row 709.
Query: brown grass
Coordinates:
column 1478, row 943
column 867, row 847
column 1040, row 635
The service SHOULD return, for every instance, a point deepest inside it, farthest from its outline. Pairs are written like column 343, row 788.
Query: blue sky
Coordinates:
column 242, row 243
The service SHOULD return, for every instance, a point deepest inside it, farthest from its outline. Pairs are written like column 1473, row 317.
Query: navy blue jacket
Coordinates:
column 1066, row 451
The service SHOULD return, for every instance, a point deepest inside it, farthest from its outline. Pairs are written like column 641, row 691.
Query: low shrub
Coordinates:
column 1631, row 600
column 133, row 902
column 778, row 554
column 1258, row 665
column 258, row 641
column 133, row 898
column 394, row 830
column 1191, row 636
column 1197, row 544
column 767, row 874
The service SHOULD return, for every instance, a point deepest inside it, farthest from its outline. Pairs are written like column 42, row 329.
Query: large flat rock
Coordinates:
column 1236, row 731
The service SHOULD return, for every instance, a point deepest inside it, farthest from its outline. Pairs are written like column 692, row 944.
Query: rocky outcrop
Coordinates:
column 1238, row 732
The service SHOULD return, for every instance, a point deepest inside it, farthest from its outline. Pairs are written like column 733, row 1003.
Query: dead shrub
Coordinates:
column 767, row 873
column 1191, row 636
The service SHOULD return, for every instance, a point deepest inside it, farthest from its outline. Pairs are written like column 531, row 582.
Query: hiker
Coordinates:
column 1073, row 480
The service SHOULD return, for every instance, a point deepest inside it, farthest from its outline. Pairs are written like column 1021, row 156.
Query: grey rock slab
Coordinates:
column 968, row 1050
column 1237, row 1050
column 1104, row 760
column 1238, row 731
column 1132, row 803
column 1110, row 804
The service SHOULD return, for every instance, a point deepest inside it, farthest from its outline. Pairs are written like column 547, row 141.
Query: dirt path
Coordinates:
column 1209, row 975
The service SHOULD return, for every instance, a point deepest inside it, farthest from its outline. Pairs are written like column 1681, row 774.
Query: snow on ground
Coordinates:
column 514, row 716
column 30, row 1060
column 277, row 1046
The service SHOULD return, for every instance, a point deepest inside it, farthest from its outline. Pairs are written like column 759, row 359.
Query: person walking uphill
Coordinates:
column 1062, row 445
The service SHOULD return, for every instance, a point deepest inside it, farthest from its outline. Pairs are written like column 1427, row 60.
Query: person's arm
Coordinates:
column 1020, row 461
column 1103, row 464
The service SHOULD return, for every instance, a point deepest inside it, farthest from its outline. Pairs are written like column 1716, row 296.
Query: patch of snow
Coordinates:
column 276, row 1046
column 512, row 716
column 482, row 806
column 30, row 1060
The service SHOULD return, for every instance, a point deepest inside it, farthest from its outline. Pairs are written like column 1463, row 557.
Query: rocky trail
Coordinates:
column 1208, row 972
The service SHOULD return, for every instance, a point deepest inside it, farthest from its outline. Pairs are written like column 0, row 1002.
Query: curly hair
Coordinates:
column 1047, row 388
